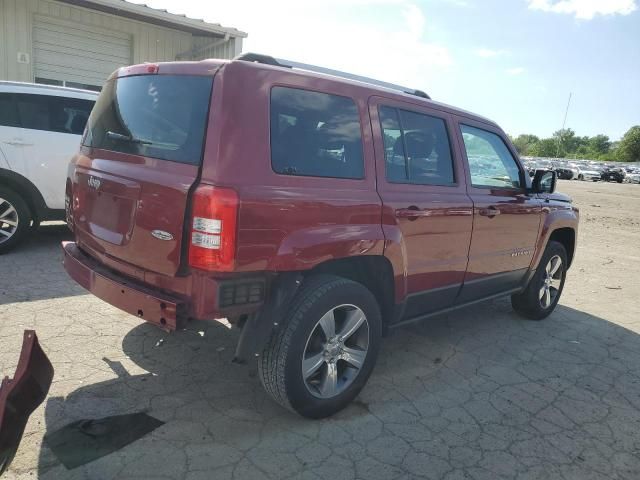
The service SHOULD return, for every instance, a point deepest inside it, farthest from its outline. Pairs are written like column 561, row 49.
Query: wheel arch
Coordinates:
column 29, row 192
column 375, row 272
column 567, row 237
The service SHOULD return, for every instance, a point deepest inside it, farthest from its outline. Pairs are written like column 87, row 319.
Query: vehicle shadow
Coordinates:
column 479, row 390
column 33, row 271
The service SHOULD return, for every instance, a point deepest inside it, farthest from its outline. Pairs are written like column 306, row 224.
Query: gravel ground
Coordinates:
column 479, row 393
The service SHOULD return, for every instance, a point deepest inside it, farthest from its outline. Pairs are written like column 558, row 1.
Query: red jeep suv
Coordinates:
column 315, row 210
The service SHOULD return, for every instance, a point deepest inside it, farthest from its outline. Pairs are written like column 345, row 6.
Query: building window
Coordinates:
column 64, row 83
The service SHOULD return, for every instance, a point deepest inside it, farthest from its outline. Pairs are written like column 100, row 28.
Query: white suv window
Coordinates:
column 8, row 112
column 52, row 113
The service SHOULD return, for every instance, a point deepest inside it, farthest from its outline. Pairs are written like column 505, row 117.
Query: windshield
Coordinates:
column 160, row 116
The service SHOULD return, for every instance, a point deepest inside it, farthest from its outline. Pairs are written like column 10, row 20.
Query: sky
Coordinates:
column 513, row 61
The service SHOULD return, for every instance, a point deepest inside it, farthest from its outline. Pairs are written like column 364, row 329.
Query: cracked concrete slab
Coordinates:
column 475, row 394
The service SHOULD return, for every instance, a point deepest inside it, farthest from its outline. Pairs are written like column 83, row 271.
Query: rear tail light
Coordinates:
column 214, row 217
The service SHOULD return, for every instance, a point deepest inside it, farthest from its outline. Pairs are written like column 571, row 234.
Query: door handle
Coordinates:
column 18, row 143
column 489, row 212
column 412, row 213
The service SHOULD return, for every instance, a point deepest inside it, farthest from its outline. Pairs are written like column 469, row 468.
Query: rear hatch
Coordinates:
column 141, row 154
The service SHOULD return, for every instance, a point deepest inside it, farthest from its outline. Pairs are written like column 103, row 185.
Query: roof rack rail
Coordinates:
column 279, row 62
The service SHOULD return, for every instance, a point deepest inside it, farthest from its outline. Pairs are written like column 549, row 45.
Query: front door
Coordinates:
column 427, row 214
column 506, row 219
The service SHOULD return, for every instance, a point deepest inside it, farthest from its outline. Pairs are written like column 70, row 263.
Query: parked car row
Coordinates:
column 587, row 170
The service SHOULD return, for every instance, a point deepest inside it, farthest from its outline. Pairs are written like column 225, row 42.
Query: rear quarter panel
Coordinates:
column 286, row 222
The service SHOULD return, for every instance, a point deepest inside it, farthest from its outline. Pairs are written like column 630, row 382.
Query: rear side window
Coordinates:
column 45, row 112
column 490, row 161
column 8, row 112
column 315, row 134
column 417, row 148
column 159, row 116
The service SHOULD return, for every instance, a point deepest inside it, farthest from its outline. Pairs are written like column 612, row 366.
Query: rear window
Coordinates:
column 159, row 116
column 315, row 134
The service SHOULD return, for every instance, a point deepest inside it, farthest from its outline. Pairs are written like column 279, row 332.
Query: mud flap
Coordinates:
column 258, row 327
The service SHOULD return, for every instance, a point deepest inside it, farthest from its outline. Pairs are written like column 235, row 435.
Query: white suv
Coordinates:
column 40, row 130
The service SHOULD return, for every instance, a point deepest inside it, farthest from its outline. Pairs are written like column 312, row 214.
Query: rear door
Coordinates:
column 505, row 220
column 426, row 207
column 141, row 155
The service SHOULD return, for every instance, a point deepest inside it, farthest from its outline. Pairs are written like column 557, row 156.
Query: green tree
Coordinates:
column 547, row 147
column 524, row 142
column 566, row 141
column 599, row 144
column 629, row 149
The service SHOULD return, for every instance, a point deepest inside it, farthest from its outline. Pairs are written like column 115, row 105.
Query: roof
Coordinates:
column 163, row 18
column 40, row 89
column 371, row 84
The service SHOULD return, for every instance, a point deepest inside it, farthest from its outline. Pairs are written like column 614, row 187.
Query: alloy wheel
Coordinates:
column 8, row 220
column 335, row 351
column 551, row 281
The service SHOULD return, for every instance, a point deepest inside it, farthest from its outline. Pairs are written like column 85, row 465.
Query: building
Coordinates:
column 78, row 43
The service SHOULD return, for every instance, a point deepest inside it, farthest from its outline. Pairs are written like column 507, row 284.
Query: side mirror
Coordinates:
column 544, row 181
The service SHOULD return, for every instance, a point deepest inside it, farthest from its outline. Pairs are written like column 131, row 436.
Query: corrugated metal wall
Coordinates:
column 150, row 43
column 228, row 49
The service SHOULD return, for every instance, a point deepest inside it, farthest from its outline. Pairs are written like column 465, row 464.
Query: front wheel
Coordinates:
column 542, row 294
column 321, row 356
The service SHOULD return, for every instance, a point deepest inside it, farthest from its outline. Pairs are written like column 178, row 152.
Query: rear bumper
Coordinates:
column 150, row 305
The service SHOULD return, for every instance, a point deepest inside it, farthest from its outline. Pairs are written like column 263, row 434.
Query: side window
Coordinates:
column 53, row 114
column 315, row 134
column 33, row 111
column 490, row 161
column 8, row 112
column 417, row 148
column 71, row 114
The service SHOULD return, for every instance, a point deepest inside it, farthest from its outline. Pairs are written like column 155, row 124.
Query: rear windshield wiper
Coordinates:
column 126, row 138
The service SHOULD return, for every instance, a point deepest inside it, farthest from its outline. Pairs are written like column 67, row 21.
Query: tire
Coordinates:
column 302, row 335
column 531, row 303
column 580, row 177
column 13, row 209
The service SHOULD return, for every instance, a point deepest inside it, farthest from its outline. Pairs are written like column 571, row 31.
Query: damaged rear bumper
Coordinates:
column 153, row 306
column 21, row 395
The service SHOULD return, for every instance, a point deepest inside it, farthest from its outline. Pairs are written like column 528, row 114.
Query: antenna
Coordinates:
column 564, row 122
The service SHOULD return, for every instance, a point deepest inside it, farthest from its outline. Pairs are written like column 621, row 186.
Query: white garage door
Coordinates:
column 72, row 54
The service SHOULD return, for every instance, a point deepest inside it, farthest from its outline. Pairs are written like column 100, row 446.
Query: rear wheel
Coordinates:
column 15, row 219
column 542, row 294
column 325, row 350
